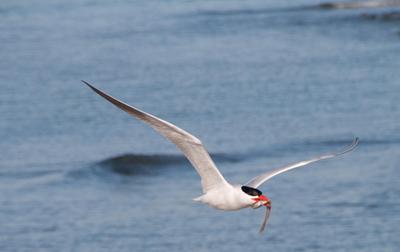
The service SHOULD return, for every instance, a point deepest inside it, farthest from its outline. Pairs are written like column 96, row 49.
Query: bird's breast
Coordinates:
column 228, row 199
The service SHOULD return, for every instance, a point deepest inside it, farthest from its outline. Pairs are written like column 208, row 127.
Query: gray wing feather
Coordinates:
column 191, row 146
column 259, row 180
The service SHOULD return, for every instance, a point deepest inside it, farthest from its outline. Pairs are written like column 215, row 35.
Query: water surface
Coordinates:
column 262, row 83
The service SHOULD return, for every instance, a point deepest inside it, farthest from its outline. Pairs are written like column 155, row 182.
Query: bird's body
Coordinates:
column 217, row 192
column 228, row 198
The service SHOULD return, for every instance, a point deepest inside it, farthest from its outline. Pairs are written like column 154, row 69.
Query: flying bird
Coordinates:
column 217, row 192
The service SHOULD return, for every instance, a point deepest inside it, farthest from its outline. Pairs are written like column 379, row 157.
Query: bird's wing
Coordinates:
column 187, row 143
column 259, row 180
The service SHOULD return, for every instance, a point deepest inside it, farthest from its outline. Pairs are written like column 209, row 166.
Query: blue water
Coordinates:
column 261, row 83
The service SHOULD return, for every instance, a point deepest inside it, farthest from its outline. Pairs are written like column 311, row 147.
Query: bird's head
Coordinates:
column 257, row 197
column 259, row 200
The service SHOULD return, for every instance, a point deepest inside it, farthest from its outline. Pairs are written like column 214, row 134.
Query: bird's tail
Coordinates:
column 198, row 198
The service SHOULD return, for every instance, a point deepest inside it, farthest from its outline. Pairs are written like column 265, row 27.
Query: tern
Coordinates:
column 217, row 192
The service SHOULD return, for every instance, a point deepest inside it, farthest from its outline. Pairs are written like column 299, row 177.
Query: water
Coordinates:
column 262, row 83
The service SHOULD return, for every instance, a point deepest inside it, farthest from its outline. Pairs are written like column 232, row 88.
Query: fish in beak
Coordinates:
column 263, row 201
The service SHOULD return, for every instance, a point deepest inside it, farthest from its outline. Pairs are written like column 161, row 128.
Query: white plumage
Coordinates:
column 217, row 192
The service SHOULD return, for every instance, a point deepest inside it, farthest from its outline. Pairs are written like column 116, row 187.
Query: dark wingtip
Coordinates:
column 356, row 141
column 352, row 146
column 92, row 87
column 87, row 83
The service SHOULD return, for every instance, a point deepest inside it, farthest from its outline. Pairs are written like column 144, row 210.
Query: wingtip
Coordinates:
column 356, row 141
column 353, row 145
column 85, row 82
column 92, row 87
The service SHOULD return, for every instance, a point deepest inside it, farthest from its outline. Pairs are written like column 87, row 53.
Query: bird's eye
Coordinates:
column 251, row 191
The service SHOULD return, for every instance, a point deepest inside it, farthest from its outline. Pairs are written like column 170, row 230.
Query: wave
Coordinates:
column 386, row 16
column 140, row 164
column 163, row 159
column 359, row 4
column 364, row 142
column 322, row 6
column 237, row 12
column 134, row 164
column 27, row 174
column 148, row 165
column 347, row 204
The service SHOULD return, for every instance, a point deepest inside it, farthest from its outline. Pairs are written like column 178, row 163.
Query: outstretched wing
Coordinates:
column 259, row 180
column 187, row 143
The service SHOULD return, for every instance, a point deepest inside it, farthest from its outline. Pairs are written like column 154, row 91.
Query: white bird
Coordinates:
column 217, row 192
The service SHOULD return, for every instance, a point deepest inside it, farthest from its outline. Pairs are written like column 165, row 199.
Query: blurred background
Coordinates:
column 262, row 83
